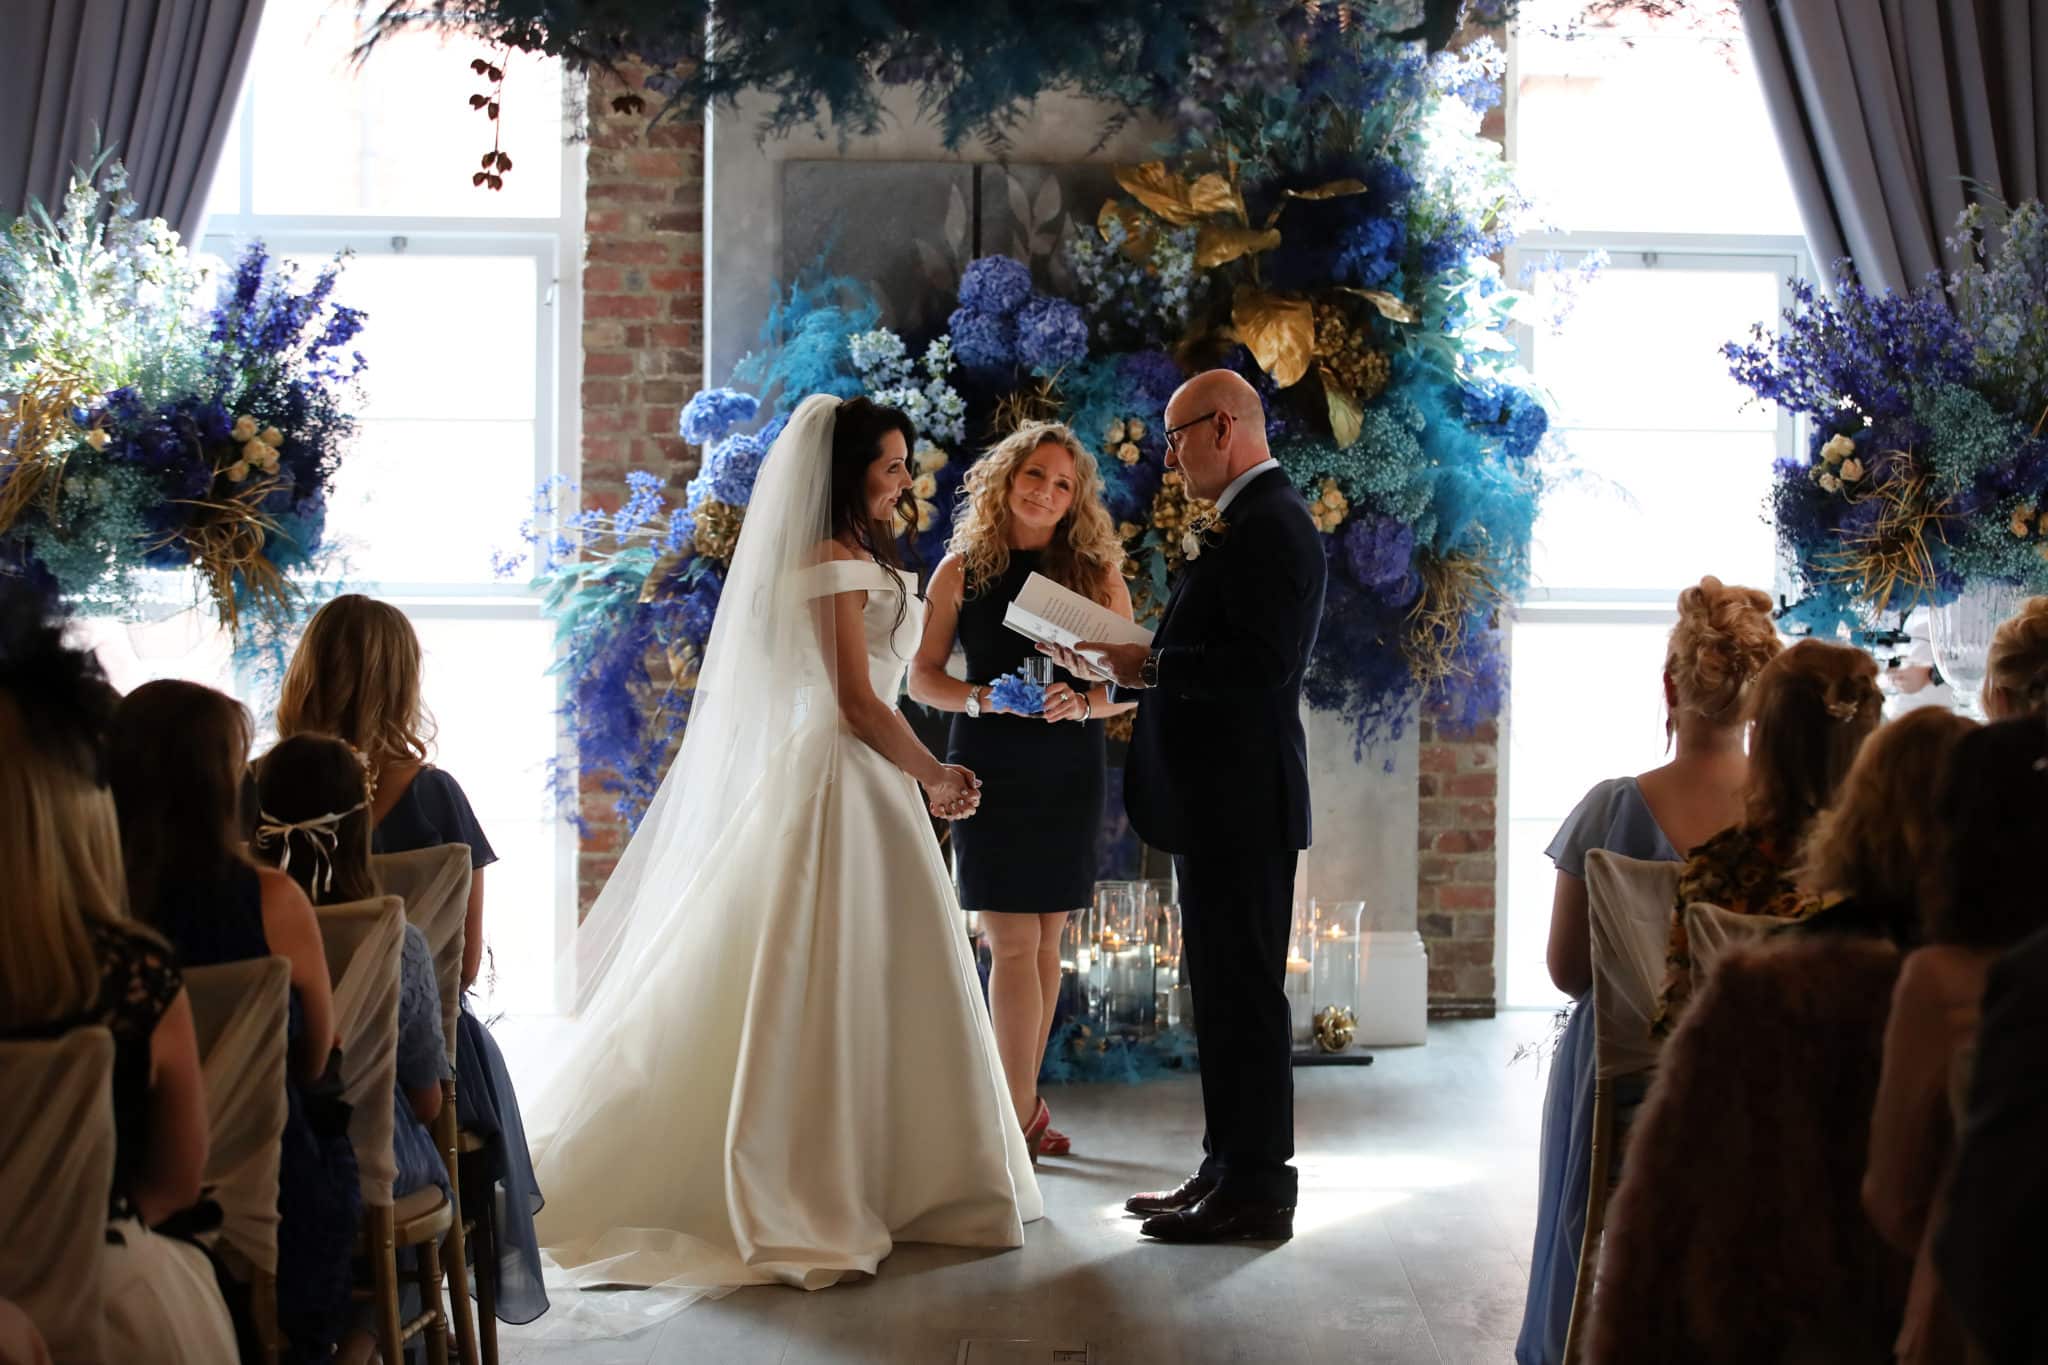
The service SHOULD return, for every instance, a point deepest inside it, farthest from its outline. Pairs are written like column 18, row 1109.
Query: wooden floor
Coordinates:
column 1412, row 1239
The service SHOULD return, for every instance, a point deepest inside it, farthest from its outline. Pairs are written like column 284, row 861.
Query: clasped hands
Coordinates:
column 956, row 795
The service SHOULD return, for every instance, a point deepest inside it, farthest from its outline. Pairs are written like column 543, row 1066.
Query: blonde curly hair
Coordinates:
column 1086, row 554
column 1723, row 639
column 2017, row 663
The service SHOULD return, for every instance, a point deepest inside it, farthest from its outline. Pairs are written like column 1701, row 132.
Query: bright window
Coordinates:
column 1653, row 147
column 472, row 341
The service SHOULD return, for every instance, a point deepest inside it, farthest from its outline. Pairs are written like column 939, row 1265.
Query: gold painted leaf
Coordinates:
column 1346, row 416
column 1281, row 332
column 1336, row 189
column 1217, row 245
column 1159, row 190
column 1211, row 194
column 1390, row 305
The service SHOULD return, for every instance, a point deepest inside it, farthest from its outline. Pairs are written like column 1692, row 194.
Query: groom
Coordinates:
column 1218, row 776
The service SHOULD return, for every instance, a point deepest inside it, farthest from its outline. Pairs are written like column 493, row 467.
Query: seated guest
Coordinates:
column 1738, row 1233
column 1989, row 1251
column 1985, row 896
column 180, row 751
column 356, row 676
column 2016, row 666
column 1810, row 711
column 1867, row 854
column 1723, row 638
column 315, row 826
column 74, row 960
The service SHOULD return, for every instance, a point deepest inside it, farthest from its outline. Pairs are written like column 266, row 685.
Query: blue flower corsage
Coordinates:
column 1013, row 693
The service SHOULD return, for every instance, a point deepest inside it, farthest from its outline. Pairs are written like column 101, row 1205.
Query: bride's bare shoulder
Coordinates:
column 830, row 551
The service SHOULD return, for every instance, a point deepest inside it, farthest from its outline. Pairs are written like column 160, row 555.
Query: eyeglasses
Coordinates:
column 1173, row 434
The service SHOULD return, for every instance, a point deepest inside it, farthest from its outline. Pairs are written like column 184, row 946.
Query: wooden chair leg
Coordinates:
column 1602, row 1157
column 263, row 1315
column 429, row 1274
column 484, row 1251
column 455, row 1250
column 381, row 1241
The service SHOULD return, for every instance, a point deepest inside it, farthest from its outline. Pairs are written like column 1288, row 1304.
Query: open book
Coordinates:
column 1053, row 615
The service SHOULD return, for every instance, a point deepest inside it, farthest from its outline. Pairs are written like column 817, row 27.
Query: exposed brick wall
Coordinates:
column 1457, row 788
column 643, row 335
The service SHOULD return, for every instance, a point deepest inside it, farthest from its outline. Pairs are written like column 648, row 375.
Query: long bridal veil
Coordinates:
column 752, row 718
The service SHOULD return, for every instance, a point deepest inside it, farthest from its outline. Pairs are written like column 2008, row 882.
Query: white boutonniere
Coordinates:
column 1203, row 530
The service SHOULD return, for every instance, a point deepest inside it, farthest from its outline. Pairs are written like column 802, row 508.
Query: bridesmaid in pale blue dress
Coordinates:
column 1724, row 636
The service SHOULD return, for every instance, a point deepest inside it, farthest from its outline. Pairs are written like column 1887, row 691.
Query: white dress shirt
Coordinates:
column 1238, row 483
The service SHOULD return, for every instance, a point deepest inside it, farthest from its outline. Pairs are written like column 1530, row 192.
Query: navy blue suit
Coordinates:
column 1218, row 777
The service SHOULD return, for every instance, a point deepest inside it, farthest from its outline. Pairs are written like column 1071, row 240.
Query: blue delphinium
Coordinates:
column 995, row 285
column 1051, row 334
column 714, row 412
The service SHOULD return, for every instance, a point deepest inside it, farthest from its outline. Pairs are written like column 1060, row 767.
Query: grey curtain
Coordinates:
column 1887, row 110
column 158, row 80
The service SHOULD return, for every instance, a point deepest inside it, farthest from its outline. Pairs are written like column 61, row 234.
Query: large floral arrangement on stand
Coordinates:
column 1325, row 225
column 150, row 424
column 1926, row 471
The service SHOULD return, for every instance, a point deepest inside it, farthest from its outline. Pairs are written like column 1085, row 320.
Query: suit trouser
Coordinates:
column 1236, row 908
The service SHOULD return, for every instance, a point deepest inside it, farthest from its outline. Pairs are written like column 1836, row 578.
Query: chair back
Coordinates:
column 1629, row 903
column 364, row 941
column 434, row 884
column 1712, row 931
column 241, row 1012
column 57, row 1162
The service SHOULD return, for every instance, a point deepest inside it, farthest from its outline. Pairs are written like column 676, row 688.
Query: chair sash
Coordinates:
column 1712, row 931
column 1629, row 903
column 364, row 941
column 57, row 1163
column 240, row 1012
column 434, row 884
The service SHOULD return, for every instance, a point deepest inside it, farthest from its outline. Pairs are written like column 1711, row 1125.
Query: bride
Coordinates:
column 783, row 1065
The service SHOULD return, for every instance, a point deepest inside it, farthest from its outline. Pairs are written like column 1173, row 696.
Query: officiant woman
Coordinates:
column 1031, row 504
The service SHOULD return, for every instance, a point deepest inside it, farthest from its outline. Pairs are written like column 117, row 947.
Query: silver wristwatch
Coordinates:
column 974, row 702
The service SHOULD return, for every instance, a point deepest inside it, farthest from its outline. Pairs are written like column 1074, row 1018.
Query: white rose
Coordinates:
column 1852, row 470
column 1113, row 433
column 925, row 486
column 237, row 471
column 255, row 452
column 1830, row 483
column 272, row 437
column 245, row 429
column 1838, row 449
column 1128, row 453
column 1134, row 430
column 1191, row 545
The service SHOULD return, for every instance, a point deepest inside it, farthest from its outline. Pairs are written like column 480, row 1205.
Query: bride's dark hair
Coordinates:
column 857, row 431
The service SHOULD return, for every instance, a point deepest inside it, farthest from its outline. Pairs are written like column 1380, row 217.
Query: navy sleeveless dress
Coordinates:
column 1031, row 849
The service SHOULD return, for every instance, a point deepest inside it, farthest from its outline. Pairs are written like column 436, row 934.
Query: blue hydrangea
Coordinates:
column 996, row 285
column 982, row 341
column 1051, row 334
column 714, row 412
column 1013, row 693
column 730, row 470
column 1380, row 552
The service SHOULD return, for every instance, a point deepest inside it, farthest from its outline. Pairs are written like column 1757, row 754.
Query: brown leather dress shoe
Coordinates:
column 1222, row 1218
column 1189, row 1193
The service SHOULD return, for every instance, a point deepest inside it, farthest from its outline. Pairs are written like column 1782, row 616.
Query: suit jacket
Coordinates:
column 1990, row 1251
column 1218, row 754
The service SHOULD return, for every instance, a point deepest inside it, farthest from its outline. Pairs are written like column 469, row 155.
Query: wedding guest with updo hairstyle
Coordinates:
column 1032, row 504
column 1724, row 638
column 1983, row 897
column 1809, row 713
column 2016, row 667
column 1866, row 858
column 357, row 676
column 74, row 960
column 179, row 752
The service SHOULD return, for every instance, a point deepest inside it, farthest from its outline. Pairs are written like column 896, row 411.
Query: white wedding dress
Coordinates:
column 789, row 1067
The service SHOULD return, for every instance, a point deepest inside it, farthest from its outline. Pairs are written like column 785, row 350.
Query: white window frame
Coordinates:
column 1788, row 257
column 556, row 247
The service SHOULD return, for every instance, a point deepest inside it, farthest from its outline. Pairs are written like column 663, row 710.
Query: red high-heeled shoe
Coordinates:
column 1034, row 1131
column 1054, row 1142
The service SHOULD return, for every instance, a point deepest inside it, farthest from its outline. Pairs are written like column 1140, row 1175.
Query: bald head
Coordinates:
column 1222, row 430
